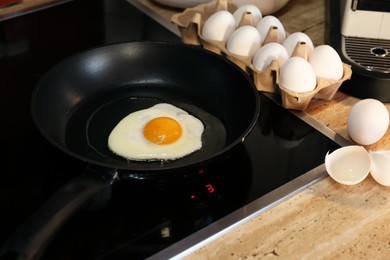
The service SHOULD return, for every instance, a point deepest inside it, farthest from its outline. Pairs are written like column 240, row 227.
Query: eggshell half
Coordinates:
column 380, row 167
column 348, row 165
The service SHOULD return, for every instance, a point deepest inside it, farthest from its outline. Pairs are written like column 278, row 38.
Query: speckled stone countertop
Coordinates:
column 327, row 220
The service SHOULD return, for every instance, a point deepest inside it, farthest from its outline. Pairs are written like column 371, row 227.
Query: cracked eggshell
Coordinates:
column 348, row 165
column 380, row 167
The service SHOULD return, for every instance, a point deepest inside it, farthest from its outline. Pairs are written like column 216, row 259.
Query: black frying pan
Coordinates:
column 79, row 101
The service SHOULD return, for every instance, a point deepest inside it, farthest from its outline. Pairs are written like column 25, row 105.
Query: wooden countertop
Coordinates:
column 327, row 220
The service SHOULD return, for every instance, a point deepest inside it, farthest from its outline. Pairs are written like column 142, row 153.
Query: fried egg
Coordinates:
column 161, row 132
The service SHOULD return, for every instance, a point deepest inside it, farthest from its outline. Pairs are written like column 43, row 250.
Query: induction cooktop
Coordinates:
column 283, row 155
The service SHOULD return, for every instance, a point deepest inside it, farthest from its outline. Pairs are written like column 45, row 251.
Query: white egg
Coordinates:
column 249, row 8
column 267, row 53
column 162, row 132
column 348, row 165
column 326, row 62
column 268, row 22
column 244, row 41
column 292, row 40
column 380, row 167
column 368, row 121
column 297, row 75
column 219, row 26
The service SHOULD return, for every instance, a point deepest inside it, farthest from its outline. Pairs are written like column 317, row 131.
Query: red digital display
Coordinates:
column 210, row 188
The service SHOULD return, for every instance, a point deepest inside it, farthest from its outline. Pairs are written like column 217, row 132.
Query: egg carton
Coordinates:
column 190, row 23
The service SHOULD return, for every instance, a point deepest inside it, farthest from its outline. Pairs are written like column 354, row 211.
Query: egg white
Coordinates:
column 127, row 138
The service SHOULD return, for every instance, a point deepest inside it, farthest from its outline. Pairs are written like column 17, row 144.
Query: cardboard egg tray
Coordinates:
column 190, row 23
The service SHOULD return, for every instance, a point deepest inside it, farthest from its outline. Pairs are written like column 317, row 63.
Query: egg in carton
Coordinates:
column 190, row 20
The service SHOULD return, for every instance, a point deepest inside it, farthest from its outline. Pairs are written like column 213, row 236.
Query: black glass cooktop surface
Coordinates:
column 142, row 217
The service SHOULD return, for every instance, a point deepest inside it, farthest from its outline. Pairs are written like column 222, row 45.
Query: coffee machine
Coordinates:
column 360, row 32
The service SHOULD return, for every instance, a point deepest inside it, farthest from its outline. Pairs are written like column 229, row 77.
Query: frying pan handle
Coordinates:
column 31, row 239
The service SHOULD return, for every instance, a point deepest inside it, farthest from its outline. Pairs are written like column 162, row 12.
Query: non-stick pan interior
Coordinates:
column 79, row 102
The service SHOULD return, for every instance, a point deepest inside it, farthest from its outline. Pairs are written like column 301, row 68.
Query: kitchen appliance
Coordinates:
column 359, row 31
column 281, row 156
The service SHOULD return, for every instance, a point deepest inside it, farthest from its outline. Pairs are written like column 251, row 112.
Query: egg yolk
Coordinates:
column 162, row 130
